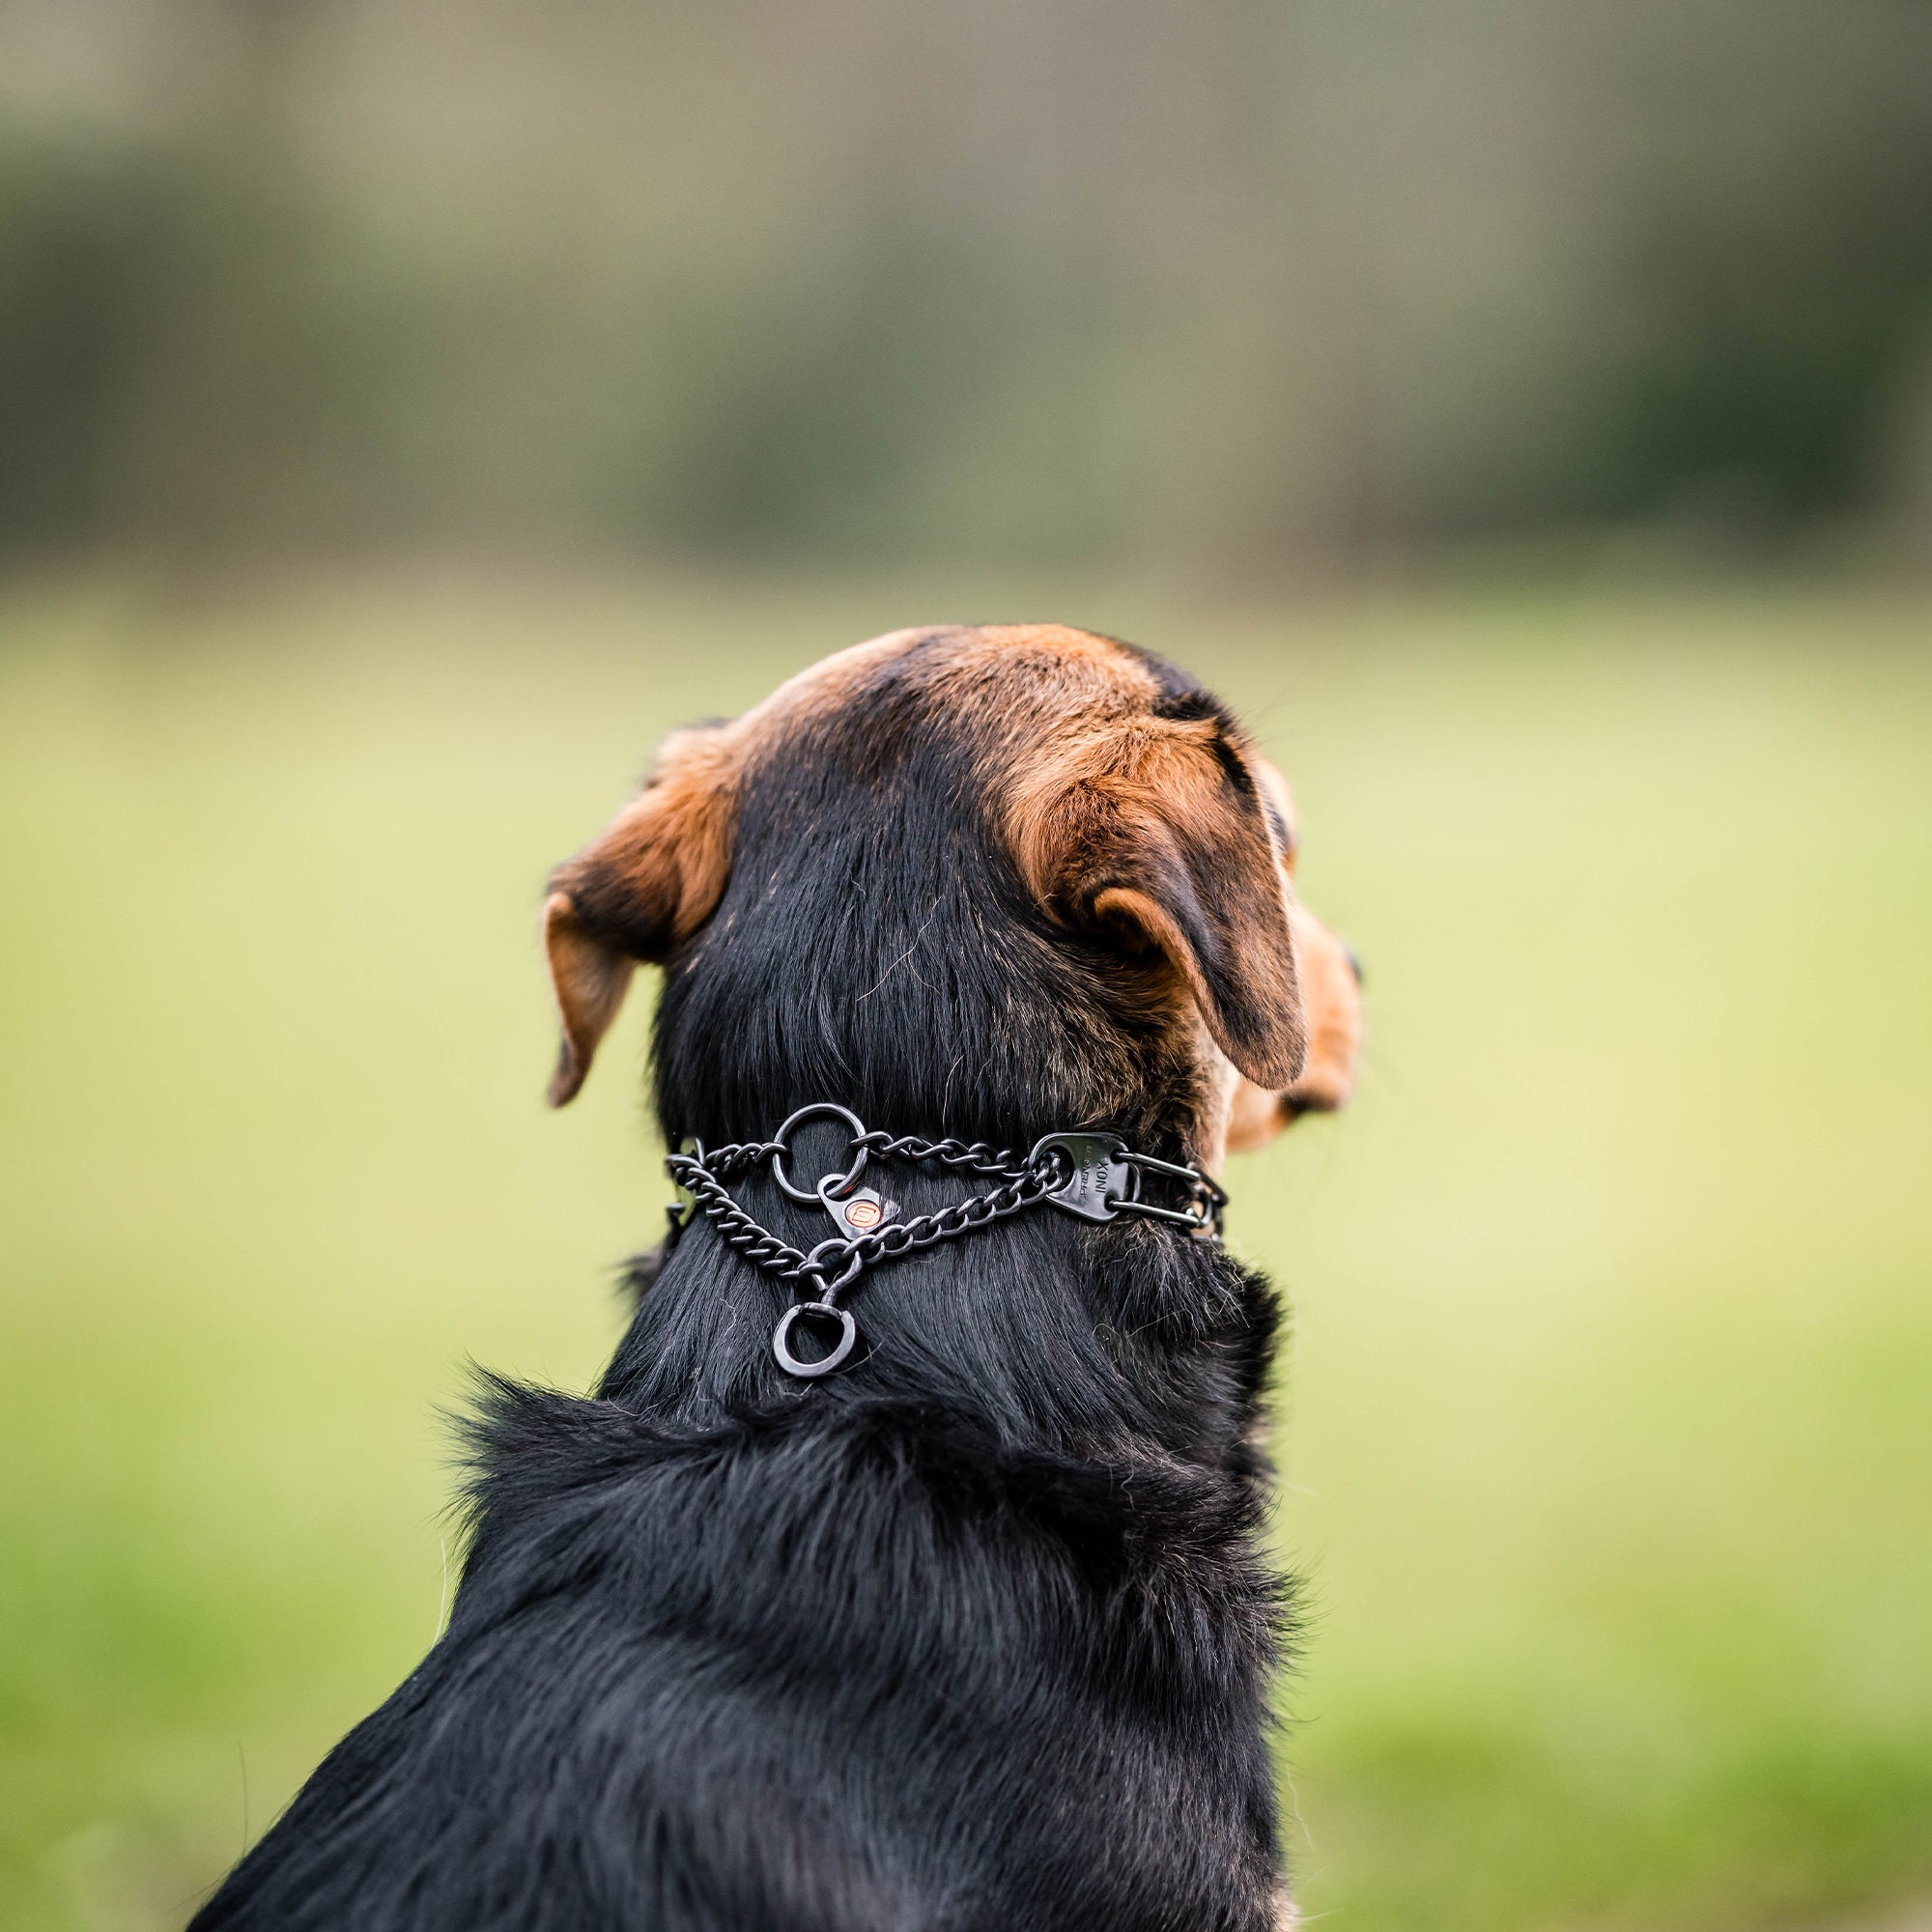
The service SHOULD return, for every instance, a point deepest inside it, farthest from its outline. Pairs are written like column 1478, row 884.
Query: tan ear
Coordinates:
column 589, row 980
column 1153, row 832
column 636, row 893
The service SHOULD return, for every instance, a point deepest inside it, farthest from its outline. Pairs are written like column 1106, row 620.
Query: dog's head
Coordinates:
column 1038, row 855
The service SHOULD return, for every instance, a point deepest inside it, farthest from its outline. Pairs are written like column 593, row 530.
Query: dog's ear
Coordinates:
column 642, row 888
column 1151, row 834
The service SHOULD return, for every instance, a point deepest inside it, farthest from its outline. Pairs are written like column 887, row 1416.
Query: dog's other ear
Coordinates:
column 1151, row 833
column 641, row 890
column 589, row 979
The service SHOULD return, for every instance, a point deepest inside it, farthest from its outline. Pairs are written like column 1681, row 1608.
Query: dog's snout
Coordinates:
column 1355, row 960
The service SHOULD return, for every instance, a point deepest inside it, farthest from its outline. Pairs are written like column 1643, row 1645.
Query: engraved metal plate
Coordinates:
column 861, row 1212
column 1100, row 1177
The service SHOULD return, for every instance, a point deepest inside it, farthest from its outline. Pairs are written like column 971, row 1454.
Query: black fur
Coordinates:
column 975, row 1636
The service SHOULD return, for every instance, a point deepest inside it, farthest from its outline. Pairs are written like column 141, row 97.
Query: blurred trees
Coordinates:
column 1246, row 285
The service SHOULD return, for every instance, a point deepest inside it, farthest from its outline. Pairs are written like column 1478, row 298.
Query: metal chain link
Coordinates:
column 976, row 1156
column 756, row 1243
column 740, row 1154
column 697, row 1173
column 899, row 1237
column 1094, row 1175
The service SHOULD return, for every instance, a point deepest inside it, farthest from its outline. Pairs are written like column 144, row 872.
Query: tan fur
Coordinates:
column 1332, row 998
column 589, row 981
column 1100, row 800
column 1267, row 775
column 1145, row 798
column 669, row 854
column 1334, row 1004
column 1254, row 1117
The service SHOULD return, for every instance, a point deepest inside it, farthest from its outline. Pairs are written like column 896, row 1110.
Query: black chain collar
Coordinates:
column 1097, row 1177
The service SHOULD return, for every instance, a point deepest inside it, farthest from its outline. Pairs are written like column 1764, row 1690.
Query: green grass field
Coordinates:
column 1608, row 1431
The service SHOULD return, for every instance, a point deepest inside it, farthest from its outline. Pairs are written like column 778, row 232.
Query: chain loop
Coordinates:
column 1053, row 1172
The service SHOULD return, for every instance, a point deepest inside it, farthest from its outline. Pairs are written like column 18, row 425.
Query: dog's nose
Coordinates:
column 1355, row 960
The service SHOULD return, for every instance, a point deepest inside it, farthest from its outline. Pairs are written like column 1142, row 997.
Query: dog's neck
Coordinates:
column 907, row 979
column 1115, row 1340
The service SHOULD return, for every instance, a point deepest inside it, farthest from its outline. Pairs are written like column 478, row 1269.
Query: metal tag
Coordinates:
column 861, row 1212
column 1100, row 1178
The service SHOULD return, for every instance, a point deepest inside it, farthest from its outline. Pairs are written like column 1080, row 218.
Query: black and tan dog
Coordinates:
column 977, row 1633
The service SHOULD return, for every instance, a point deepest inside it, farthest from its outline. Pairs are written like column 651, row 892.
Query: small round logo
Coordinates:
column 864, row 1214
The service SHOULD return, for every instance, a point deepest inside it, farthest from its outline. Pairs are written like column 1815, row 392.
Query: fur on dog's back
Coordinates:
column 861, row 1667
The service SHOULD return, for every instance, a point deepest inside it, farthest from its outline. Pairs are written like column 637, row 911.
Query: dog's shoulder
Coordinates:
column 838, row 1620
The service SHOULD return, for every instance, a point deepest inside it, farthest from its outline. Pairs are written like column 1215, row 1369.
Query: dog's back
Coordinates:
column 854, row 1670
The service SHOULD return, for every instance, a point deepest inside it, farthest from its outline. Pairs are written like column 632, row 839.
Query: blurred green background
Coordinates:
column 1521, row 413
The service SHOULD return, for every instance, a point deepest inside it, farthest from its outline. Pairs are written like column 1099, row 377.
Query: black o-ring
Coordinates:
column 838, row 1355
column 811, row 1196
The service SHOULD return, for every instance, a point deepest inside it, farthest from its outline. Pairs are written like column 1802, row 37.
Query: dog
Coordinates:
column 975, row 1632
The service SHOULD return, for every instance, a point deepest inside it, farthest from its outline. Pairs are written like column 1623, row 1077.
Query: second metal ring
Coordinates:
column 809, row 1195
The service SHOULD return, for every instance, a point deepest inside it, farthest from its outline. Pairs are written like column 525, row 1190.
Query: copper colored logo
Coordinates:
column 863, row 1214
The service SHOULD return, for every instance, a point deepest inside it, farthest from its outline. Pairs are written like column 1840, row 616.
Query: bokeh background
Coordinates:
column 1521, row 411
